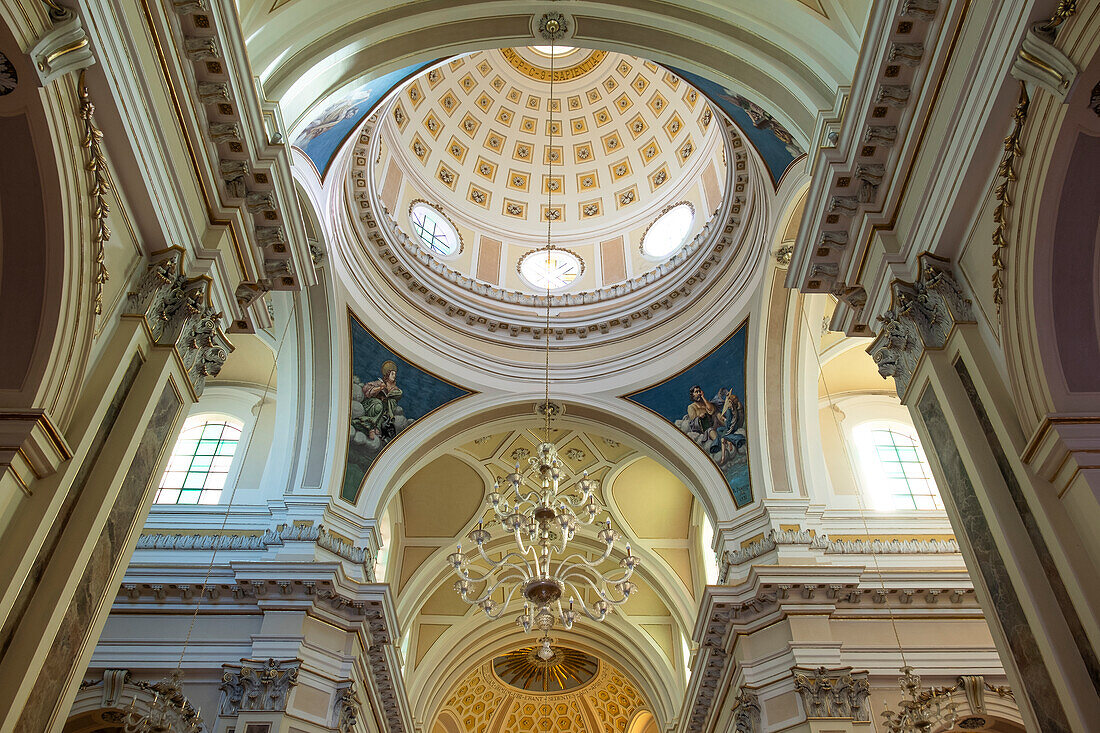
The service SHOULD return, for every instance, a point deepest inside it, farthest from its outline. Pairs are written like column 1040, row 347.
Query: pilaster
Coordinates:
column 79, row 522
column 1039, row 609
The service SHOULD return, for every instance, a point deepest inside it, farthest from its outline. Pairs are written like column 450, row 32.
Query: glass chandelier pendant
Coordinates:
column 922, row 710
column 543, row 521
column 170, row 711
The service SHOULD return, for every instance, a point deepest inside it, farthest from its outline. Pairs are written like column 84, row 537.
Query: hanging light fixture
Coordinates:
column 170, row 711
column 543, row 518
column 922, row 710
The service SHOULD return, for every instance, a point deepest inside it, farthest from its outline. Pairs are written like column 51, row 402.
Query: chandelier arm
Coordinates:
column 489, row 590
column 494, row 564
column 464, row 573
column 594, row 615
column 587, row 580
column 524, row 548
column 581, row 559
column 605, row 593
column 502, row 608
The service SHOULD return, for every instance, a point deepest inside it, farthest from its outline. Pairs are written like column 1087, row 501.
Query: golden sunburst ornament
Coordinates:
column 527, row 668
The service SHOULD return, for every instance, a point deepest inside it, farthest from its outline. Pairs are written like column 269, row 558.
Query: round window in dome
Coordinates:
column 669, row 232
column 549, row 268
column 434, row 230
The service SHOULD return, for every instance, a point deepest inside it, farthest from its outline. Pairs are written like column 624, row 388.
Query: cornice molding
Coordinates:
column 271, row 538
column 365, row 609
column 862, row 154
column 821, row 543
column 243, row 157
column 614, row 311
column 771, row 593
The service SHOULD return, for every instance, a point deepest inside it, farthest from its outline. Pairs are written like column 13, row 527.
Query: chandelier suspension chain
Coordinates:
column 549, row 224
column 556, row 585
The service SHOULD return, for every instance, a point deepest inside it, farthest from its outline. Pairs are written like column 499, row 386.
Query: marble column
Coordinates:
column 1038, row 607
column 76, row 532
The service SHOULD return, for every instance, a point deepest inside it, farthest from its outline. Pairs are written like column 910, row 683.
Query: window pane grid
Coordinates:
column 430, row 227
column 200, row 462
column 904, row 469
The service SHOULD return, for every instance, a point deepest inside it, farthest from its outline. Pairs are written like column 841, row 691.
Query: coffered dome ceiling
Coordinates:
column 476, row 145
column 628, row 138
column 472, row 138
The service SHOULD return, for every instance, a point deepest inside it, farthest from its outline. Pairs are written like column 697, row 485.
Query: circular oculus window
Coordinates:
column 669, row 232
column 550, row 269
column 434, row 231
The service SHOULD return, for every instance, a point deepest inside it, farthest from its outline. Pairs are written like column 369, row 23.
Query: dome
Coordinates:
column 471, row 138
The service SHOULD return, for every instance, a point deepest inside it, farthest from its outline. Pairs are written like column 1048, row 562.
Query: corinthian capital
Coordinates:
column 177, row 311
column 921, row 316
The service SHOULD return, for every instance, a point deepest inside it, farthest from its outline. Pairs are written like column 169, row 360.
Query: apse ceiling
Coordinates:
column 656, row 513
column 607, row 701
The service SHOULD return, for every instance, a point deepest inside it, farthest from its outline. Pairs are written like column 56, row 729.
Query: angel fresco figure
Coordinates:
column 716, row 425
column 333, row 115
column 381, row 413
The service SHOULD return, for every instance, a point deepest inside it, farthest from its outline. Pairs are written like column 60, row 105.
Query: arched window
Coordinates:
column 895, row 467
column 200, row 461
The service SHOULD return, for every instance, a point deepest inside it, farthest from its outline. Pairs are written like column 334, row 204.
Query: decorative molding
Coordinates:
column 553, row 26
column 921, row 316
column 347, row 707
column 247, row 163
column 1002, row 193
column 746, row 712
column 63, row 48
column 1039, row 62
column 257, row 685
column 100, row 185
column 834, row 693
column 889, row 547
column 31, row 447
column 774, row 538
column 270, row 538
column 783, row 255
column 385, row 671
column 856, row 174
column 399, row 257
column 177, row 312
column 727, row 612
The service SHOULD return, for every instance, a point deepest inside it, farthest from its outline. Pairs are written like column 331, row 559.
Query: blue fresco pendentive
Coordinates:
column 342, row 112
column 387, row 395
column 774, row 143
column 707, row 403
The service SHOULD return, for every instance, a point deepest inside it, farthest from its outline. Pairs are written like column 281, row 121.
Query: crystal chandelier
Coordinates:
column 170, row 711
column 543, row 519
column 922, row 710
